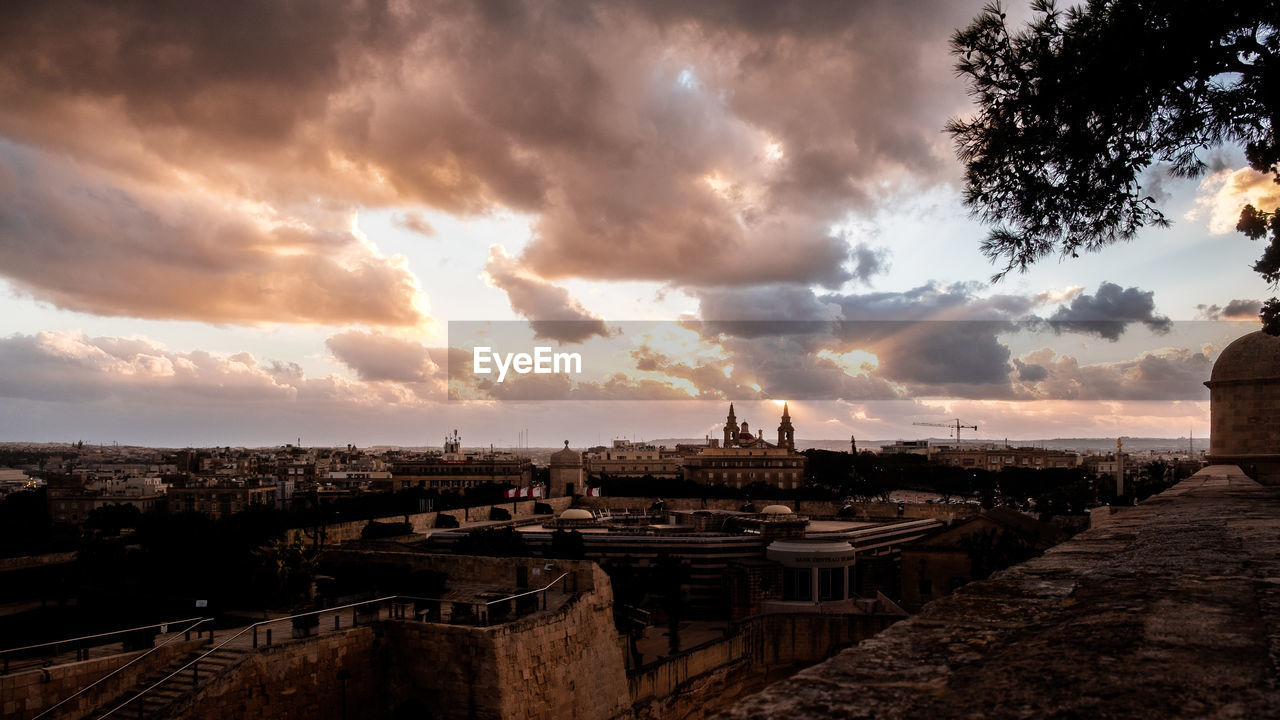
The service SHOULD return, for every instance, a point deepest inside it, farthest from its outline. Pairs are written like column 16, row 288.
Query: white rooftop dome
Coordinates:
column 776, row 510
column 575, row 514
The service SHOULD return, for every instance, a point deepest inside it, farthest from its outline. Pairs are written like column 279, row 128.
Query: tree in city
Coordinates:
column 1079, row 113
column 287, row 569
column 1155, row 477
column 111, row 519
column 567, row 544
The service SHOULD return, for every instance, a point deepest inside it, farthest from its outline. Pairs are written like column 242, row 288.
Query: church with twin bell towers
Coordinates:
column 741, row 458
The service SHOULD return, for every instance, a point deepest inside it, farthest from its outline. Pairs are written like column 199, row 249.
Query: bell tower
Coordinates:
column 731, row 429
column 786, row 433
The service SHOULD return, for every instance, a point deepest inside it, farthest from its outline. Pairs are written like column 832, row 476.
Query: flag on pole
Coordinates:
column 525, row 492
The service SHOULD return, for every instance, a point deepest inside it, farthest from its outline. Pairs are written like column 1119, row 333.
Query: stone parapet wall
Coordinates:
column 566, row 663
column 421, row 522
column 26, row 693
column 499, row 572
column 570, row 667
column 300, row 679
column 707, row 677
column 813, row 508
column 27, row 562
column 1171, row 609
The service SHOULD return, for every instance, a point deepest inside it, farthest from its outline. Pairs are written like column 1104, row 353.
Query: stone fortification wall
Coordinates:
column 300, row 679
column 566, row 663
column 1170, row 610
column 26, row 693
column 573, row 667
column 706, row 678
column 816, row 508
column 421, row 522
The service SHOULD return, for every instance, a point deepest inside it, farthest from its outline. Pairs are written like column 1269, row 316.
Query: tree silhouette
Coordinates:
column 670, row 574
column 1074, row 109
column 289, row 568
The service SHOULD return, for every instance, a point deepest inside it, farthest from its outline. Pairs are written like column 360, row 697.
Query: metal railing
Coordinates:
column 250, row 628
column 484, row 613
column 186, row 632
column 397, row 606
column 80, row 644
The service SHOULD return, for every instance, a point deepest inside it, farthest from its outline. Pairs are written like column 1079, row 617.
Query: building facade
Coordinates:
column 1000, row 458
column 457, row 471
column 222, row 498
column 625, row 459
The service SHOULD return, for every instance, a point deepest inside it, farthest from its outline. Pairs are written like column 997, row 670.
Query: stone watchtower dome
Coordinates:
column 566, row 472
column 1244, row 407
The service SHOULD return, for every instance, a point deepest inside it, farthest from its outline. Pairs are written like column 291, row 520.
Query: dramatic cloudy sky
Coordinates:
column 250, row 222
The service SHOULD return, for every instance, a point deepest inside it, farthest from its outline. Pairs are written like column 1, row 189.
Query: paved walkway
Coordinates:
column 1169, row 610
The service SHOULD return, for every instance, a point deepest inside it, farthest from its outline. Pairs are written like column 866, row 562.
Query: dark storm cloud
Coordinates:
column 1109, row 311
column 953, row 354
column 1030, row 372
column 776, row 334
column 792, row 367
column 1234, row 310
column 1166, row 376
column 765, row 310
column 933, row 301
column 932, row 340
column 869, row 262
column 551, row 311
column 703, row 144
column 1242, row 310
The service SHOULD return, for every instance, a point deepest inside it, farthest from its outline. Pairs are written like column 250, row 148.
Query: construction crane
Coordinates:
column 954, row 426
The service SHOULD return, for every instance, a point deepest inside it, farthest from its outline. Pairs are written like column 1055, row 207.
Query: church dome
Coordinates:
column 1255, row 356
column 566, row 457
column 776, row 510
column 575, row 514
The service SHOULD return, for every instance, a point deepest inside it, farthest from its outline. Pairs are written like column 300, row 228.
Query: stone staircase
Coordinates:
column 157, row 702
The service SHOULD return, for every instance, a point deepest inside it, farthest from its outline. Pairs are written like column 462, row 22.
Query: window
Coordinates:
column 797, row 584
column 926, row 590
column 831, row 583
